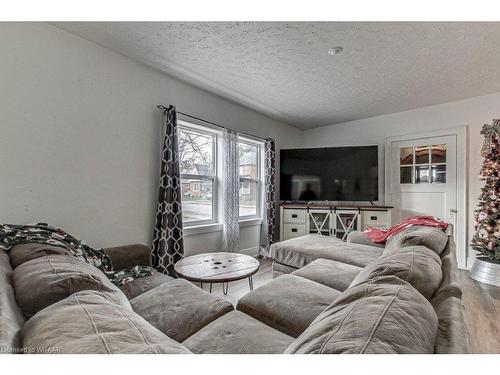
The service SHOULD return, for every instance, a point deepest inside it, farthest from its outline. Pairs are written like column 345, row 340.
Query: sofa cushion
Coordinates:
column 43, row 281
column 362, row 239
column 280, row 269
column 141, row 285
column 418, row 265
column 430, row 237
column 288, row 303
column 129, row 256
column 452, row 335
column 11, row 316
column 25, row 252
column 88, row 323
column 331, row 273
column 300, row 251
column 450, row 285
column 179, row 308
column 385, row 315
column 238, row 333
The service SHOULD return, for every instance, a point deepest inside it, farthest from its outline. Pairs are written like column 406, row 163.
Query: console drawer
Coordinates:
column 294, row 216
column 293, row 230
column 378, row 219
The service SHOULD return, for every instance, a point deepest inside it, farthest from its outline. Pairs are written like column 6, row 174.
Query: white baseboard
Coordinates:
column 470, row 262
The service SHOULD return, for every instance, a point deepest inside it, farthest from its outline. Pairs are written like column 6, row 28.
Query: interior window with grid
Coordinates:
column 250, row 180
column 423, row 164
column 197, row 154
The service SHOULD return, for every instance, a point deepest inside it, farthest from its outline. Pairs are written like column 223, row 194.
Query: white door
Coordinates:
column 423, row 178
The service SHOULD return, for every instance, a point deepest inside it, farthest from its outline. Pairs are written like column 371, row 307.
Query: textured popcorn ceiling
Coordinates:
column 284, row 70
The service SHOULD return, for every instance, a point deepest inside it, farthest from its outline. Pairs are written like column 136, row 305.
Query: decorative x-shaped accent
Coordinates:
column 316, row 223
column 350, row 226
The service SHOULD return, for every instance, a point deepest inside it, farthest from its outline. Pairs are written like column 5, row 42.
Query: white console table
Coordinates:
column 298, row 220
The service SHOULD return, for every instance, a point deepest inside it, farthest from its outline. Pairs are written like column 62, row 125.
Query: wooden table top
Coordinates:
column 219, row 267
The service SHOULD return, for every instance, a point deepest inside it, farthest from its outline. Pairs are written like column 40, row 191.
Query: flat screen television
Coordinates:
column 329, row 174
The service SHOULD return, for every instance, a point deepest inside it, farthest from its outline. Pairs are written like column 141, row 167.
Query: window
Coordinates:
column 423, row 164
column 250, row 178
column 197, row 159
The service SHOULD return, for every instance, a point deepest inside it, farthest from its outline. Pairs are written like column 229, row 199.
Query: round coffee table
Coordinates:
column 219, row 267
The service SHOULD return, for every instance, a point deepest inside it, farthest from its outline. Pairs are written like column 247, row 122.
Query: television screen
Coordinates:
column 329, row 174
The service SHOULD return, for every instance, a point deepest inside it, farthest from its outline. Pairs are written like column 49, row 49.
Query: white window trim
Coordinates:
column 194, row 230
column 259, row 193
column 204, row 224
column 214, row 224
column 429, row 165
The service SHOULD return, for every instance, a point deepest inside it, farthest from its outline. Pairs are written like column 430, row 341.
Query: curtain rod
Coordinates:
column 163, row 108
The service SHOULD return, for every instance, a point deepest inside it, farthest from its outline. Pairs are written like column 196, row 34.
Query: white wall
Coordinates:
column 80, row 135
column 473, row 112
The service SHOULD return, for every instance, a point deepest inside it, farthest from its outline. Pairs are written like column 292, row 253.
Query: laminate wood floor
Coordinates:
column 481, row 301
column 482, row 314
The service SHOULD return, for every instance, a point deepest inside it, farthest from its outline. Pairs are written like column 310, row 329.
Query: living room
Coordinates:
column 237, row 187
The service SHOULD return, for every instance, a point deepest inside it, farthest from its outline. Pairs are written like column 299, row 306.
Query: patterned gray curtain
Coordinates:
column 269, row 211
column 231, row 192
column 168, row 245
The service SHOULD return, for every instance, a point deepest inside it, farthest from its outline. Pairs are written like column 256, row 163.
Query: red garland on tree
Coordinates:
column 487, row 215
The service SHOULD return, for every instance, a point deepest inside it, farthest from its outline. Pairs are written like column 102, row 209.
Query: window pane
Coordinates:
column 248, row 198
column 405, row 175
column 438, row 173
column 248, row 160
column 196, row 200
column 406, row 156
column 438, row 154
column 422, row 155
column 196, row 152
column 421, row 174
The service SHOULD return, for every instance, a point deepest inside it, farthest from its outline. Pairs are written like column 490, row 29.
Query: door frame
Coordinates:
column 461, row 230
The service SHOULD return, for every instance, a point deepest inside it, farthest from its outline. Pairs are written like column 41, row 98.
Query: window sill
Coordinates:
column 204, row 228
column 216, row 227
column 250, row 222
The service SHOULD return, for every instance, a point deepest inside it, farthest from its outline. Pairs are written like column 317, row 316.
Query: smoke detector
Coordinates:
column 335, row 51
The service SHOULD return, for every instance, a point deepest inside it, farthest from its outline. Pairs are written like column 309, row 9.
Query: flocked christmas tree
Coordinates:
column 487, row 216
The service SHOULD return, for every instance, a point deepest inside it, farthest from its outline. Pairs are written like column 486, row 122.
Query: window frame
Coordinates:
column 204, row 130
column 429, row 164
column 259, row 180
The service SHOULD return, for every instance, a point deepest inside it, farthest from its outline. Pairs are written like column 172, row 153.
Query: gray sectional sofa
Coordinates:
column 355, row 298
column 424, row 257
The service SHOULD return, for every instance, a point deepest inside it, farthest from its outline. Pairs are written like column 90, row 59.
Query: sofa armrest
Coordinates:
column 361, row 239
column 129, row 256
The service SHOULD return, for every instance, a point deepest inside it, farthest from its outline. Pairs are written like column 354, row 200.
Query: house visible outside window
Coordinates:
column 197, row 158
column 250, row 178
